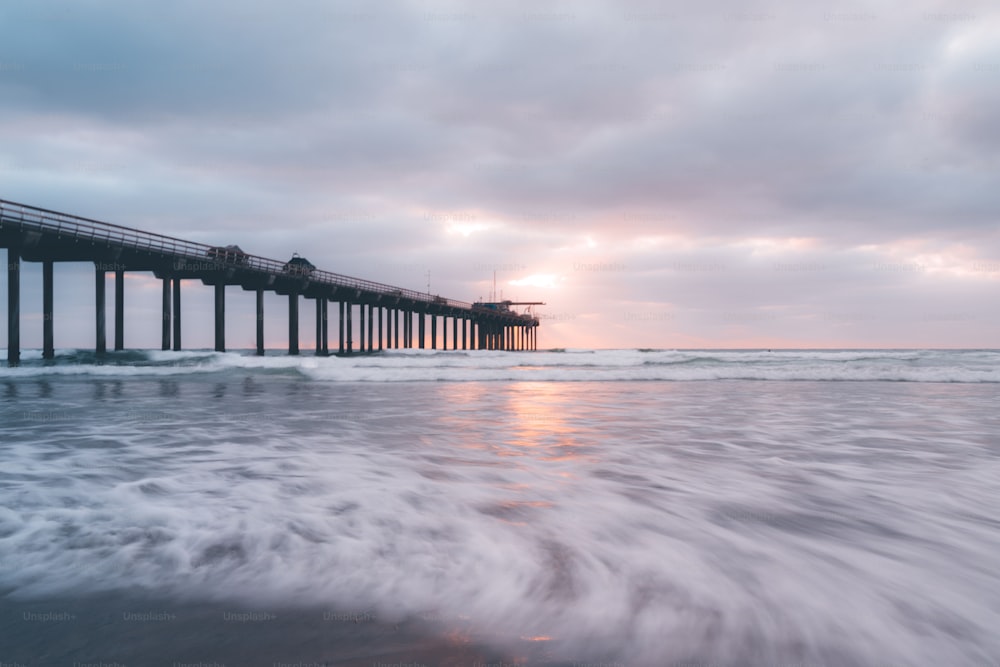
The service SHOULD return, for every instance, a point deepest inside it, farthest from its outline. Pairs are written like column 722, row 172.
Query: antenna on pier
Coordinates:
column 428, row 281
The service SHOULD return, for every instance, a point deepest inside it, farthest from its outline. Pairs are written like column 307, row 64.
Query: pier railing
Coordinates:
column 76, row 227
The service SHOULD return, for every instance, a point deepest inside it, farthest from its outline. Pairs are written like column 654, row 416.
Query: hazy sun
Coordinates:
column 537, row 280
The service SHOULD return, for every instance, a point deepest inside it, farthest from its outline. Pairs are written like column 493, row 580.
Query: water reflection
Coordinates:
column 44, row 389
column 168, row 388
column 543, row 418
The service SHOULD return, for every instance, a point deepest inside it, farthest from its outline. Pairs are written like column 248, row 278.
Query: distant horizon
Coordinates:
column 307, row 349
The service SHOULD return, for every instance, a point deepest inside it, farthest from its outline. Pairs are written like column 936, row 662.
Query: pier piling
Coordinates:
column 340, row 343
column 119, row 310
column 293, row 323
column 48, row 333
column 260, row 322
column 350, row 329
column 319, row 327
column 101, row 344
column 220, row 317
column 165, row 316
column 13, row 305
column 177, row 314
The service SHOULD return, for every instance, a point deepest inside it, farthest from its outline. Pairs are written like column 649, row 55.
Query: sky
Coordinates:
column 669, row 175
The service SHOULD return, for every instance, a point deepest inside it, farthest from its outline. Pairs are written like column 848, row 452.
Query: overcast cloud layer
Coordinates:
column 662, row 175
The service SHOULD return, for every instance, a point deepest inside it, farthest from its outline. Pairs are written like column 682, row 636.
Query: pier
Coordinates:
column 388, row 317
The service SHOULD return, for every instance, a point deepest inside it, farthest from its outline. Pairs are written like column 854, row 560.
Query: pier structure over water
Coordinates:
column 389, row 317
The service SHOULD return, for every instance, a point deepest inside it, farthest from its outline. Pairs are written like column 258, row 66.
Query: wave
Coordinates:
column 656, row 526
column 562, row 365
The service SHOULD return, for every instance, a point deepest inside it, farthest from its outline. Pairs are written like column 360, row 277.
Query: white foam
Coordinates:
column 668, row 365
column 568, row 366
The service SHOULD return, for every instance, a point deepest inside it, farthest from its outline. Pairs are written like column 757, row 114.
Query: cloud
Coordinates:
column 665, row 140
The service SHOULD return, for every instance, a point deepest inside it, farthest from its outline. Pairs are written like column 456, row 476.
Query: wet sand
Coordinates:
column 118, row 631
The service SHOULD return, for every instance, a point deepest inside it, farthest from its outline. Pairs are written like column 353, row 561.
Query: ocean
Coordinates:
column 609, row 508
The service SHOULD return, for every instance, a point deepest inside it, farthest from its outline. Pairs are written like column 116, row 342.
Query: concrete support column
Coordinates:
column 48, row 331
column 177, row 313
column 381, row 338
column 361, row 327
column 454, row 333
column 260, row 322
column 340, row 344
column 420, row 329
column 119, row 309
column 371, row 327
column 326, row 327
column 100, row 293
column 319, row 326
column 13, row 306
column 388, row 329
column 220, row 317
column 350, row 327
column 293, row 323
column 434, row 332
column 165, row 316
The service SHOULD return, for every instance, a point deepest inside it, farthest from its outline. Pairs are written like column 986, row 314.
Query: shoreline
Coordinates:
column 118, row 630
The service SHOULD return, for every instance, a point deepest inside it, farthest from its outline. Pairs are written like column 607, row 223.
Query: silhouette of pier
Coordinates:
column 396, row 317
